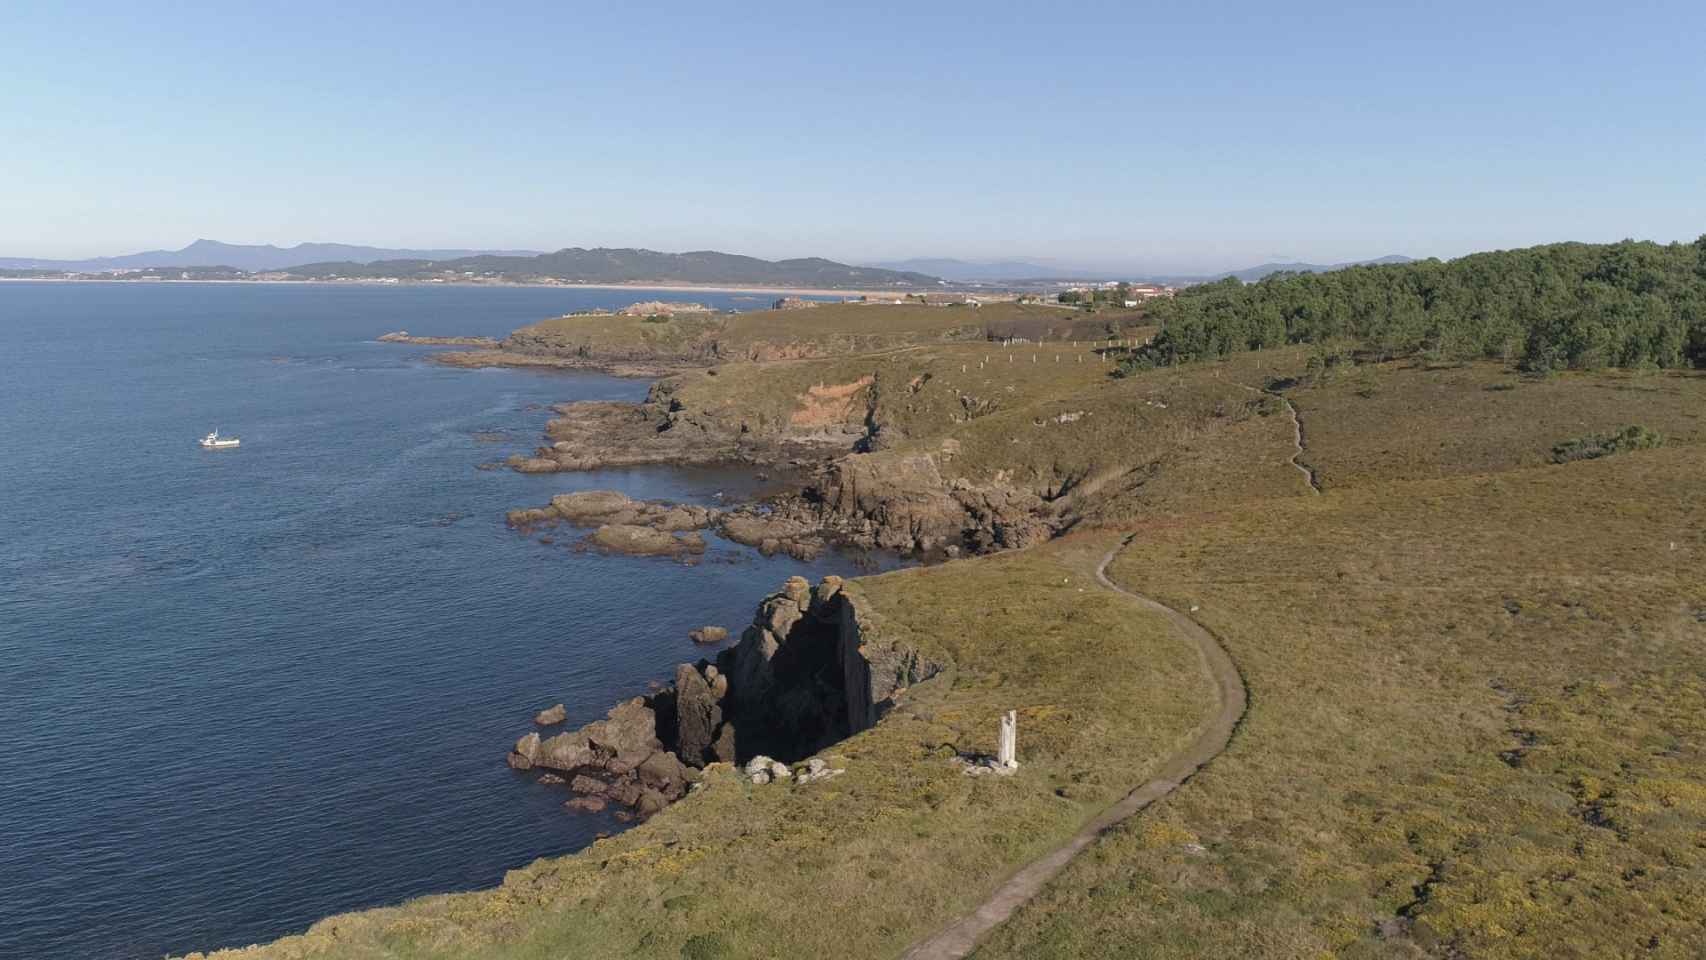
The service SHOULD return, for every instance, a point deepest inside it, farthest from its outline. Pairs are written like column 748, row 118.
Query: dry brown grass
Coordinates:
column 1476, row 716
column 1478, row 685
column 830, row 330
column 1407, row 421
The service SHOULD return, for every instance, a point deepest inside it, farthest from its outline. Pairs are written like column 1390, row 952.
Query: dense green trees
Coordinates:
column 1562, row 306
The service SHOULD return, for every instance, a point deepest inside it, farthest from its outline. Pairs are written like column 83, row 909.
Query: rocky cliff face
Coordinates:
column 806, row 673
column 863, row 491
column 903, row 503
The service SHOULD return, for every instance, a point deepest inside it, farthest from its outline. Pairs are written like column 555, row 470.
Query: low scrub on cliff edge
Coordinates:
column 864, row 864
column 1477, row 728
column 1060, row 428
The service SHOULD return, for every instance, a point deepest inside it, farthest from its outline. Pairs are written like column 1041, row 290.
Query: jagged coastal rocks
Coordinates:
column 620, row 524
column 902, row 505
column 839, row 438
column 886, row 501
column 807, row 673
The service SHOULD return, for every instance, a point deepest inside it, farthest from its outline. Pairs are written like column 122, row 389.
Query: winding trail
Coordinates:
column 1296, row 435
column 1297, row 440
column 959, row 938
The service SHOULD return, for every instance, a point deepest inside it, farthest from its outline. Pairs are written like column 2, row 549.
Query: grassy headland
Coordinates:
column 828, row 330
column 898, row 845
column 1475, row 674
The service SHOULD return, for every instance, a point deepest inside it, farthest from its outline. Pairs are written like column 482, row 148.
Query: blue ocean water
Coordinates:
column 243, row 689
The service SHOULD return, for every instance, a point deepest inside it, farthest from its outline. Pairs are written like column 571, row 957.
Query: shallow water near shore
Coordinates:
column 244, row 689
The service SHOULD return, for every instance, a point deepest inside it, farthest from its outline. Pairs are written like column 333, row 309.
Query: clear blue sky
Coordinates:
column 1167, row 136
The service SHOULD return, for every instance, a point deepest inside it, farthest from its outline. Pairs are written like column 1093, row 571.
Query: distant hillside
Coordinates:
column 1252, row 274
column 211, row 253
column 1017, row 270
column 962, row 270
column 629, row 265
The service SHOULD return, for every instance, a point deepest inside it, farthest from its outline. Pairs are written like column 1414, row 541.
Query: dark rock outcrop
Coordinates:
column 808, row 672
column 698, row 714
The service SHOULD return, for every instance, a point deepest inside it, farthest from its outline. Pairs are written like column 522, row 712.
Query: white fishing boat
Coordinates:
column 214, row 441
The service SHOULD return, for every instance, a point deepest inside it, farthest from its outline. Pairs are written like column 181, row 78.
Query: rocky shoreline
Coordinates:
column 662, row 528
column 807, row 673
column 403, row 336
column 845, row 495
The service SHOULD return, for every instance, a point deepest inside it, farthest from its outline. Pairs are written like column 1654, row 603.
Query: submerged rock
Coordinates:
column 644, row 541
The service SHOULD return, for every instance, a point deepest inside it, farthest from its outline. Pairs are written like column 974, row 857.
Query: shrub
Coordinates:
column 706, row 946
column 1594, row 446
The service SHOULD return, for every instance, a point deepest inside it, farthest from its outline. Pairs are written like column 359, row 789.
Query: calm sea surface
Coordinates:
column 243, row 689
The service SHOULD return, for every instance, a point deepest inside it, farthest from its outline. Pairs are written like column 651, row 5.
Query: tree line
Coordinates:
column 1554, row 307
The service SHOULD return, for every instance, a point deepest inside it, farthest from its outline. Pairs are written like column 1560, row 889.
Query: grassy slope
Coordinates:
column 860, row 865
column 1403, row 421
column 1400, row 640
column 1387, row 677
column 829, row 330
column 1132, row 446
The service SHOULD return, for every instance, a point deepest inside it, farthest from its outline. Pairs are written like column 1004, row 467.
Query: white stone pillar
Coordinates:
column 1008, row 755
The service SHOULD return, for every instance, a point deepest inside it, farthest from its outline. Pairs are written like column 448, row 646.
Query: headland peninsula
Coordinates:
column 1442, row 521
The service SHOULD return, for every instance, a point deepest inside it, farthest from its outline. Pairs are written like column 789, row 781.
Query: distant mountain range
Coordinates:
column 324, row 261
column 1253, row 273
column 212, row 253
column 964, row 270
column 315, row 261
column 968, row 271
column 629, row 265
